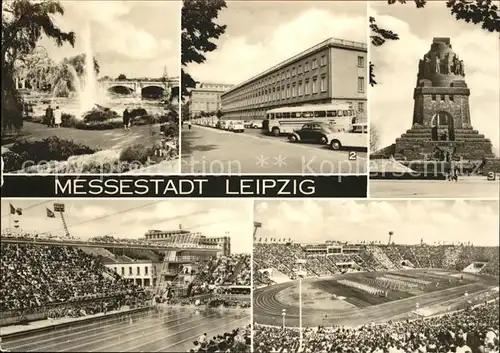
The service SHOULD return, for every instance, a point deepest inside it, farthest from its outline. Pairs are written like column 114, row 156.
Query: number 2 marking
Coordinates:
column 353, row 156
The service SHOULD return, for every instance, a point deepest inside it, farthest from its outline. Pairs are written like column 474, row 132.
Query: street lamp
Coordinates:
column 283, row 313
column 300, row 273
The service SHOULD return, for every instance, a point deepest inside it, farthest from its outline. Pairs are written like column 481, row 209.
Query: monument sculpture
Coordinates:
column 442, row 129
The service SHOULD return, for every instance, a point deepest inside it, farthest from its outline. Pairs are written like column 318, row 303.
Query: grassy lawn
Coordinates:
column 96, row 139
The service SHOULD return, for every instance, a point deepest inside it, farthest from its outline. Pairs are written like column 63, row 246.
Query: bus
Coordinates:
column 287, row 119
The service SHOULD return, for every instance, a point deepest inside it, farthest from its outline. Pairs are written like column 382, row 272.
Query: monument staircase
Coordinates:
column 418, row 144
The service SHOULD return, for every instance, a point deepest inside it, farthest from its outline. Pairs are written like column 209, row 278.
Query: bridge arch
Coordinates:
column 152, row 92
column 119, row 89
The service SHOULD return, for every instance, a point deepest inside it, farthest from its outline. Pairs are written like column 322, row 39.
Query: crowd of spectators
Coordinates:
column 261, row 279
column 233, row 270
column 473, row 330
column 283, row 257
column 237, row 341
column 38, row 276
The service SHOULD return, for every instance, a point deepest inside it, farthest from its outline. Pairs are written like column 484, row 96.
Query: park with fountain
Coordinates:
column 92, row 138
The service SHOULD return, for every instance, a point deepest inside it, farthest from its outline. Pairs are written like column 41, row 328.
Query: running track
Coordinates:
column 268, row 309
column 168, row 330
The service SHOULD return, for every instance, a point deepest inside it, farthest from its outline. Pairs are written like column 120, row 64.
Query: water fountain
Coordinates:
column 87, row 90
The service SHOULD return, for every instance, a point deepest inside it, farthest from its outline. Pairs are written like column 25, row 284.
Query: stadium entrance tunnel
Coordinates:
column 120, row 90
column 152, row 92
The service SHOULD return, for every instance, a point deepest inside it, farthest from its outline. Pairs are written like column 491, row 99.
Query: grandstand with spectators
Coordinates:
column 106, row 293
column 370, row 296
column 353, row 285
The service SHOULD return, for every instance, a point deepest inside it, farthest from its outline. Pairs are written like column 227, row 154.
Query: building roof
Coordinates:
column 330, row 42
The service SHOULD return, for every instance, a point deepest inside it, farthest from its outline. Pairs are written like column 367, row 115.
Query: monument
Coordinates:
column 442, row 129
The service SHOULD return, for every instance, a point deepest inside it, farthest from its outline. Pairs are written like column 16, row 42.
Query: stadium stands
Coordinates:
column 371, row 257
column 476, row 328
column 38, row 276
column 237, row 340
column 223, row 271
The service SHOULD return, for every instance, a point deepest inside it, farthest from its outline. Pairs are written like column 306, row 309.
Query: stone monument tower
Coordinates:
column 441, row 116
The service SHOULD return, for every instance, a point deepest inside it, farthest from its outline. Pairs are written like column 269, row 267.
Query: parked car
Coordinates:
column 236, row 126
column 247, row 123
column 256, row 125
column 357, row 136
column 312, row 132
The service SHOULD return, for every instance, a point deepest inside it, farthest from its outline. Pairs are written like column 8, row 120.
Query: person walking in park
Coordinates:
column 189, row 124
column 126, row 119
column 57, row 117
column 49, row 116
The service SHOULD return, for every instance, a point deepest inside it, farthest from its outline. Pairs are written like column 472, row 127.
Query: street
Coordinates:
column 211, row 151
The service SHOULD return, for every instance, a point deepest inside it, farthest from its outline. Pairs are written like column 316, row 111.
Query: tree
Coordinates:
column 37, row 69
column 374, row 139
column 63, row 78
column 23, row 24
column 185, row 112
column 198, row 28
column 483, row 12
column 78, row 63
column 121, row 77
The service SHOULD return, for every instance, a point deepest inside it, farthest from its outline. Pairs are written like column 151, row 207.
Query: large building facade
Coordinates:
column 333, row 71
column 206, row 97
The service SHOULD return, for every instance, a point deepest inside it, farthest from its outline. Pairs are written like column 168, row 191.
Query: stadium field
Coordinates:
column 165, row 330
column 451, row 293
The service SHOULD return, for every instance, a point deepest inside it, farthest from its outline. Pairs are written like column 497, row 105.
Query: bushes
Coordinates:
column 12, row 161
column 61, row 156
column 136, row 154
column 145, row 120
column 100, row 125
column 68, row 120
column 100, row 114
column 102, row 118
column 49, row 149
column 170, row 129
column 138, row 112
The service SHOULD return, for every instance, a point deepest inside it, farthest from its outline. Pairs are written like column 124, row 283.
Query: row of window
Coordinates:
column 293, row 90
column 443, row 97
column 314, row 114
column 285, row 74
column 205, row 106
column 137, row 272
column 294, row 71
column 211, row 94
column 299, row 89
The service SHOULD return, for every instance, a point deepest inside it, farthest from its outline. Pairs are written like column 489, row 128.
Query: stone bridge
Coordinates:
column 140, row 86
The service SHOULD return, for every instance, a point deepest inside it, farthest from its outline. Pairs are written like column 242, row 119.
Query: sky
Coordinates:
column 396, row 65
column 316, row 221
column 211, row 217
column 260, row 35
column 134, row 38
